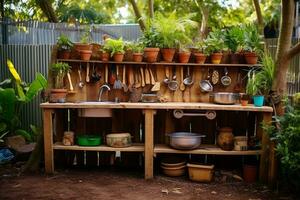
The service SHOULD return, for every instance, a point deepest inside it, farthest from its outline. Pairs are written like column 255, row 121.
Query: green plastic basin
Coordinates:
column 88, row 140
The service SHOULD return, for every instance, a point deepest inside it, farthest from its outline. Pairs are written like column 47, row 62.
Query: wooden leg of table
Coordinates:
column 149, row 125
column 272, row 176
column 48, row 140
column 265, row 146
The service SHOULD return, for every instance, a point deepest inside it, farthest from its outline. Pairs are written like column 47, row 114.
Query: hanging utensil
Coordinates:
column 137, row 82
column 87, row 77
column 106, row 75
column 167, row 73
column 147, row 76
column 142, row 76
column 237, row 87
column 95, row 77
column 125, row 88
column 226, row 80
column 188, row 81
column 173, row 84
column 156, row 86
column 215, row 77
column 130, row 78
column 80, row 84
column 205, row 85
column 117, row 83
column 182, row 86
column 70, row 81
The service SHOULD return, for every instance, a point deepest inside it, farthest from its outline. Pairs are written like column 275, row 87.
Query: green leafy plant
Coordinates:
column 253, row 41
column 137, row 47
column 234, row 39
column 114, row 46
column 215, row 41
column 285, row 131
column 173, row 30
column 201, row 47
column 85, row 37
column 13, row 95
column 260, row 79
column 64, row 43
column 59, row 70
column 151, row 38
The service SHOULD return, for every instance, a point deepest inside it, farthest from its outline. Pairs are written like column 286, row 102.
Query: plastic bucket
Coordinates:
column 258, row 101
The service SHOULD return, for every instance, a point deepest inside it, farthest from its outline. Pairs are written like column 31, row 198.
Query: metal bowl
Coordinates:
column 185, row 140
column 205, row 86
column 226, row 98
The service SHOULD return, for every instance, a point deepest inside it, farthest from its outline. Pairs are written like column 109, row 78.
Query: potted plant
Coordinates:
column 215, row 46
column 84, row 48
column 200, row 52
column 64, row 47
column 172, row 30
column 150, row 40
column 260, row 80
column 252, row 44
column 58, row 93
column 128, row 45
column 116, row 48
column 137, row 51
column 234, row 39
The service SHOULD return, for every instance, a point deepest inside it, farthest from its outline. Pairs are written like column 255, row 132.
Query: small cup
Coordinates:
column 68, row 139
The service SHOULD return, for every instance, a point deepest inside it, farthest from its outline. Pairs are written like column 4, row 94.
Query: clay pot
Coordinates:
column 118, row 57
column 128, row 56
column 168, row 54
column 137, row 57
column 151, row 54
column 95, row 51
column 85, row 54
column 226, row 139
column 242, row 59
column 105, row 56
column 58, row 95
column 64, row 54
column 200, row 57
column 79, row 46
column 183, row 57
column 251, row 58
column 235, row 58
column 249, row 173
column 216, row 58
column 244, row 102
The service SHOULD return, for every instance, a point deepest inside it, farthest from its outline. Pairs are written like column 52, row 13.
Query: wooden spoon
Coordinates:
column 142, row 76
column 147, row 76
column 70, row 81
column 156, row 86
column 87, row 78
column 182, row 86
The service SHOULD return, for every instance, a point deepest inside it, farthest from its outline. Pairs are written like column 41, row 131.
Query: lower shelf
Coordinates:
column 136, row 147
column 203, row 149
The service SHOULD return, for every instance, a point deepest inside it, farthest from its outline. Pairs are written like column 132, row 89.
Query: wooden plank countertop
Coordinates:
column 158, row 106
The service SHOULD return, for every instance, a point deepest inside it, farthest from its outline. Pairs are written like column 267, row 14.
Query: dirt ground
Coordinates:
column 112, row 184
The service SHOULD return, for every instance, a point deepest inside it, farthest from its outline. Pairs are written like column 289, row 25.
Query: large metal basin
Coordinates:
column 185, row 140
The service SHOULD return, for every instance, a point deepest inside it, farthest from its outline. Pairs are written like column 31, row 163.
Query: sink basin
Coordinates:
column 95, row 112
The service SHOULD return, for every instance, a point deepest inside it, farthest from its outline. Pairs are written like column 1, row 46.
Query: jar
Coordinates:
column 68, row 139
column 226, row 138
column 240, row 143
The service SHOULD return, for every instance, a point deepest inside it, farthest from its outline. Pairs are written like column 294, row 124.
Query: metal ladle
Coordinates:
column 173, row 84
column 188, row 79
column 167, row 79
column 80, row 84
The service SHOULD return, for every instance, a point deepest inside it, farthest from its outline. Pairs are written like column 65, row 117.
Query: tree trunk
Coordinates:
column 138, row 14
column 260, row 20
column 151, row 9
column 203, row 28
column 48, row 10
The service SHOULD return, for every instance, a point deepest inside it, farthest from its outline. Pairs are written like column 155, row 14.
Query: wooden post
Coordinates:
column 272, row 176
column 265, row 147
column 48, row 140
column 149, row 144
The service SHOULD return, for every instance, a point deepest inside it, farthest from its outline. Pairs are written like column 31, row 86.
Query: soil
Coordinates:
column 77, row 184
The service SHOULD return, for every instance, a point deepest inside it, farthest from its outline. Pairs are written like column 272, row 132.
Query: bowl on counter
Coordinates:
column 149, row 98
column 226, row 98
column 88, row 140
column 118, row 140
column 185, row 140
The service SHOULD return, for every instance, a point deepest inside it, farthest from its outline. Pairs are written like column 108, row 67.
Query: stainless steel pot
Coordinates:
column 226, row 98
column 185, row 140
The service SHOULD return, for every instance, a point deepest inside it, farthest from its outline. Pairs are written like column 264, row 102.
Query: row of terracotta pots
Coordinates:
column 86, row 52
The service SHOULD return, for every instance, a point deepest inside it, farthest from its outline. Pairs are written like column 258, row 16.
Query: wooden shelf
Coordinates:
column 136, row 147
column 159, row 63
column 203, row 149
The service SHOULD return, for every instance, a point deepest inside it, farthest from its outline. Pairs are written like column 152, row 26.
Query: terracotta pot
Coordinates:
column 64, row 54
column 226, row 139
column 168, row 54
column 58, row 95
column 85, row 54
column 244, row 102
column 137, row 57
column 234, row 58
column 105, row 56
column 118, row 57
column 128, row 56
column 242, row 59
column 251, row 58
column 183, row 57
column 95, row 51
column 200, row 57
column 151, row 54
column 79, row 46
column 216, row 58
column 249, row 173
